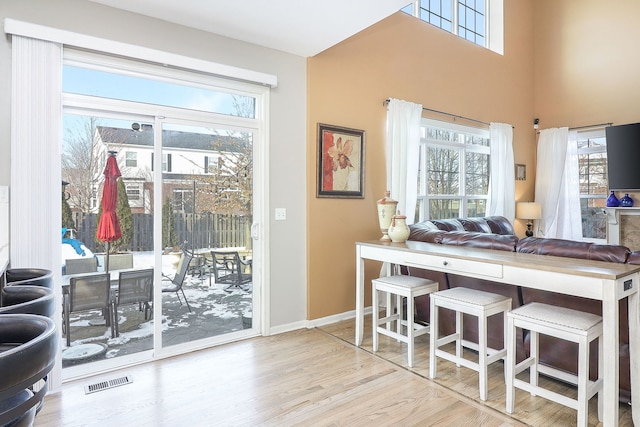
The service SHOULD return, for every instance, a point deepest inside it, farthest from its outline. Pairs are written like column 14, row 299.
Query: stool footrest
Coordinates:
column 546, row 393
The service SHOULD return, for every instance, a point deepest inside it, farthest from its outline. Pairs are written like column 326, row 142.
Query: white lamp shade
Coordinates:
column 528, row 210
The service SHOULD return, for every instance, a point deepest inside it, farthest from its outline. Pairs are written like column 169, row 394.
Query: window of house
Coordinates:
column 453, row 173
column 166, row 162
column 131, row 159
column 183, row 200
column 594, row 184
column 134, row 191
column 478, row 21
column 212, row 163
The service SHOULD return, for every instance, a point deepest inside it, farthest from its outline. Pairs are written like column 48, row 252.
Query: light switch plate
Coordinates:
column 281, row 214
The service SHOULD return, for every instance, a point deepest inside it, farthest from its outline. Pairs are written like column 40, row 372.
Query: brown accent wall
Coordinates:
column 587, row 66
column 403, row 57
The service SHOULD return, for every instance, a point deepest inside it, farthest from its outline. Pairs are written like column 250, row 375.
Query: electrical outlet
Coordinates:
column 281, row 214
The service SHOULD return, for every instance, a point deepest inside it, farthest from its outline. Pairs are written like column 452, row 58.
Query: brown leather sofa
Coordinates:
column 497, row 233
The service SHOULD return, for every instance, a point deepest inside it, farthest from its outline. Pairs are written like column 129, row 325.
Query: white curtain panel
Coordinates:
column 402, row 151
column 36, row 135
column 502, row 186
column 557, row 188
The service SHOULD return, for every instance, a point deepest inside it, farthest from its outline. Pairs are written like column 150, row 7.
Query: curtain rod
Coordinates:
column 599, row 125
column 455, row 116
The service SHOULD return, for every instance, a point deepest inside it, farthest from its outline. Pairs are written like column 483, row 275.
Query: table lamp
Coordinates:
column 528, row 211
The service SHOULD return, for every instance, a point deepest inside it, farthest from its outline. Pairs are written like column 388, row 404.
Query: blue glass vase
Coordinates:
column 626, row 201
column 612, row 201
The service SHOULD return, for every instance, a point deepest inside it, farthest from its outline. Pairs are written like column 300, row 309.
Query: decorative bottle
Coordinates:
column 386, row 209
column 612, row 201
column 398, row 230
column 626, row 201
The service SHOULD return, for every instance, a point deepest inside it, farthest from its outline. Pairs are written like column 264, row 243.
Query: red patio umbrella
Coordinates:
column 109, row 225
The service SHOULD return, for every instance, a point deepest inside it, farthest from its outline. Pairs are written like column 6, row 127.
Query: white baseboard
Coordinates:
column 323, row 321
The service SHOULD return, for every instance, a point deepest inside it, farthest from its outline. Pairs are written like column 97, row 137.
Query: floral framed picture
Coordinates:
column 340, row 162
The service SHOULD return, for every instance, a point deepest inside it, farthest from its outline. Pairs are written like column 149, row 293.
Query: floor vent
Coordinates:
column 103, row 385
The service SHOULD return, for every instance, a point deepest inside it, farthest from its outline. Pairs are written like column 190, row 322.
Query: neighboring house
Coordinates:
column 188, row 159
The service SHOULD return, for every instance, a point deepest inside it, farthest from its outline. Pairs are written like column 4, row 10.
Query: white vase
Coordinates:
column 386, row 209
column 398, row 230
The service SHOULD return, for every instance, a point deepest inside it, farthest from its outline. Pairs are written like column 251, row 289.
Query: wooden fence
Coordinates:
column 199, row 230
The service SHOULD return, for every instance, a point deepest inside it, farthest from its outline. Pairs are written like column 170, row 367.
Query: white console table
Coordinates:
column 607, row 282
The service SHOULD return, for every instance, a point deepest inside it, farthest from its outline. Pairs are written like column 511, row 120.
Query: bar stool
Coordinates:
column 563, row 323
column 477, row 303
column 400, row 286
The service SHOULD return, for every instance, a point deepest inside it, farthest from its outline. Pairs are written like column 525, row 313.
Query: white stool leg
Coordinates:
column 399, row 312
column 510, row 364
column 482, row 357
column 583, row 381
column 459, row 328
column 410, row 330
column 534, row 353
column 374, row 315
column 600, row 368
column 389, row 309
column 433, row 338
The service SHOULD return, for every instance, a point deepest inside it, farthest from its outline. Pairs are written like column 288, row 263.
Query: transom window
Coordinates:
column 478, row 21
column 466, row 18
column 594, row 183
column 453, row 173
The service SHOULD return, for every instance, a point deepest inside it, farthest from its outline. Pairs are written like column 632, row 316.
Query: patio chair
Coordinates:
column 91, row 292
column 229, row 269
column 178, row 278
column 134, row 287
column 81, row 265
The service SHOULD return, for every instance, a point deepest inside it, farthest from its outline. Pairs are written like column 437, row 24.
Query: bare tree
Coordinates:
column 81, row 165
column 227, row 187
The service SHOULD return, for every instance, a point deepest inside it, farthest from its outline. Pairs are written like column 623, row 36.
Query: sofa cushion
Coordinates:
column 573, row 249
column 425, row 231
column 500, row 225
column 480, row 240
column 451, row 224
column 634, row 258
column 475, row 224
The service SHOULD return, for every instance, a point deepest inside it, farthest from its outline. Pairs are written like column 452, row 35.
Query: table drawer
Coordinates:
column 452, row 265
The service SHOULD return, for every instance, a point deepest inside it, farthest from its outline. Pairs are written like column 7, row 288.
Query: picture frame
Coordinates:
column 340, row 162
column 521, row 172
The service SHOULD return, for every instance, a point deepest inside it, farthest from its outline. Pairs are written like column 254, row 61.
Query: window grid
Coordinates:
column 465, row 18
column 594, row 184
column 453, row 172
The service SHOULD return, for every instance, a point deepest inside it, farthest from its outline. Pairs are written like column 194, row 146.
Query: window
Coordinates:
column 453, row 174
column 183, row 200
column 469, row 19
column 166, row 162
column 134, row 191
column 211, row 164
column 594, row 184
column 131, row 159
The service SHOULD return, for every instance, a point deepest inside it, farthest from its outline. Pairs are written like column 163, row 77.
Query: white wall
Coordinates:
column 287, row 126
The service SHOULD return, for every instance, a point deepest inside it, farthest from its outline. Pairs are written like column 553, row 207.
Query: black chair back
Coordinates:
column 89, row 292
column 135, row 286
column 81, row 265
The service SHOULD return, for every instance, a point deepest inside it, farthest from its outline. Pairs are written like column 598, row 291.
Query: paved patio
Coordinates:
column 214, row 312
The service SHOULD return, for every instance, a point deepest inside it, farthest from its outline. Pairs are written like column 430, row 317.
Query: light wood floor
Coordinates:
column 307, row 378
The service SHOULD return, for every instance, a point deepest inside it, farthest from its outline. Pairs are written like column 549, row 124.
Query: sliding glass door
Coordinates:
column 186, row 205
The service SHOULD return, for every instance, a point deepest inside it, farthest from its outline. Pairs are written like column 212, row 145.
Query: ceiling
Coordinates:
column 300, row 27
